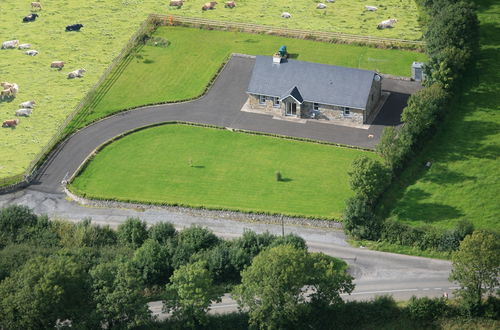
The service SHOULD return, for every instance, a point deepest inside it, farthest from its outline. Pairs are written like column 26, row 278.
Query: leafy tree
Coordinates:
column 133, row 232
column 84, row 234
column 360, row 219
column 116, row 289
column 153, row 262
column 276, row 285
column 368, row 178
column 162, row 232
column 394, row 146
column 253, row 243
column 190, row 293
column 42, row 291
column 476, row 266
column 13, row 256
column 290, row 239
column 190, row 241
column 14, row 219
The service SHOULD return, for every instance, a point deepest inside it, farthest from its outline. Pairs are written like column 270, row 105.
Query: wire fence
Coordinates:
column 336, row 37
column 81, row 108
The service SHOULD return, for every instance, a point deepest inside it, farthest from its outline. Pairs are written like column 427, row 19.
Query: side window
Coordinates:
column 315, row 106
column 276, row 102
column 262, row 99
column 347, row 112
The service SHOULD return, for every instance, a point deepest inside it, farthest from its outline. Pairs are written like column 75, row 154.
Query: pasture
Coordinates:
column 464, row 180
column 212, row 168
column 345, row 16
column 183, row 69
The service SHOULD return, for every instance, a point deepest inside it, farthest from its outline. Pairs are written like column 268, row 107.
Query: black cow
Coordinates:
column 74, row 27
column 30, row 18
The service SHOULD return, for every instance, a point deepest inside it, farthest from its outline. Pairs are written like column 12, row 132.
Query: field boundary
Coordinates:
column 333, row 37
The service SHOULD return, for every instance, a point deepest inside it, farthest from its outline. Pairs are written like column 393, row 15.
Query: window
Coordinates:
column 347, row 112
column 262, row 99
column 315, row 106
column 276, row 102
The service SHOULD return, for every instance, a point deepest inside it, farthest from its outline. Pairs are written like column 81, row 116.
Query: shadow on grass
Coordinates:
column 411, row 208
column 439, row 174
column 198, row 166
column 286, row 180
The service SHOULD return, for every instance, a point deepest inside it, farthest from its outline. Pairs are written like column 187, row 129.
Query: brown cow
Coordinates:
column 230, row 4
column 10, row 123
column 37, row 5
column 6, row 93
column 209, row 5
column 57, row 64
column 177, row 3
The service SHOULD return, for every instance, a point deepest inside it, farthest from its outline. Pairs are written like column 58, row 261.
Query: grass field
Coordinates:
column 341, row 16
column 198, row 54
column 464, row 180
column 204, row 167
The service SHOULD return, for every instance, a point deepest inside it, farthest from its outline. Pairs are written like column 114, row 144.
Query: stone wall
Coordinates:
column 253, row 101
column 333, row 113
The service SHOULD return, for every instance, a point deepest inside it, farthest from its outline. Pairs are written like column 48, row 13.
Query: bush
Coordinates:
column 13, row 220
column 369, row 178
column 360, row 220
column 162, row 232
column 133, row 232
column 426, row 309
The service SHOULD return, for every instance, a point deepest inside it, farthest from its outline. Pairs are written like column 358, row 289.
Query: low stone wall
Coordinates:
column 221, row 214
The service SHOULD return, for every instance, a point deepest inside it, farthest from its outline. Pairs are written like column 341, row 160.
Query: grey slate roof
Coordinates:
column 320, row 83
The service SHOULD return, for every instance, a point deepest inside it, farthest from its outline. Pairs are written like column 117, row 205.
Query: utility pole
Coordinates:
column 282, row 226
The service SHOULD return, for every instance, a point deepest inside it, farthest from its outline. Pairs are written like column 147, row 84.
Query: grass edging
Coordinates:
column 399, row 249
column 134, row 204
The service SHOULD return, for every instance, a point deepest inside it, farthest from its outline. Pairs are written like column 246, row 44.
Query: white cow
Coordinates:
column 27, row 104
column 24, row 112
column 76, row 74
column 24, row 46
column 10, row 44
column 14, row 89
column 321, row 6
column 330, row 0
column 371, row 8
column 31, row 52
column 388, row 23
column 286, row 15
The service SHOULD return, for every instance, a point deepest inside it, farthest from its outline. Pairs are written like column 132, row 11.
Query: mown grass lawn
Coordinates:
column 183, row 69
column 205, row 167
column 464, row 180
column 346, row 16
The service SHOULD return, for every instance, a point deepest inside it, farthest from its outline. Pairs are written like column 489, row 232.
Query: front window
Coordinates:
column 276, row 102
column 315, row 106
column 262, row 99
column 347, row 112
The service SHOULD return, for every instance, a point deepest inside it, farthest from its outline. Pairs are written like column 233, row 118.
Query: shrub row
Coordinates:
column 451, row 39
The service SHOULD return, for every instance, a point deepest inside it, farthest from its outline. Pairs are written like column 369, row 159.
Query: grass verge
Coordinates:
column 400, row 249
column 218, row 169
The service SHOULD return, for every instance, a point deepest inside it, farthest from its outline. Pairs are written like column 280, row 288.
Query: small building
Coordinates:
column 301, row 89
column 417, row 71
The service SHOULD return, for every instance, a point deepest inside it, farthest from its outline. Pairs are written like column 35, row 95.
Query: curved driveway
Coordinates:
column 375, row 272
column 220, row 106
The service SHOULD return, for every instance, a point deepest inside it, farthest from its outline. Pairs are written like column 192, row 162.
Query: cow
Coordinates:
column 31, row 52
column 14, row 89
column 177, row 3
column 57, row 64
column 286, row 15
column 76, row 74
column 320, row 6
column 24, row 46
column 230, row 4
column 371, row 8
column 209, row 5
column 27, row 104
column 10, row 44
column 330, row 0
column 6, row 93
column 10, row 123
column 24, row 112
column 36, row 5
column 30, row 18
column 6, row 85
column 74, row 27
column 388, row 23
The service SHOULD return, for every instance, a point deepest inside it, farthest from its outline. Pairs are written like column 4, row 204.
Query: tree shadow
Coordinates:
column 439, row 174
column 198, row 166
column 411, row 208
column 286, row 180
column 293, row 55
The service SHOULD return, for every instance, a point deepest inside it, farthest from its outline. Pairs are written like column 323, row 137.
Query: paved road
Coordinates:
column 220, row 106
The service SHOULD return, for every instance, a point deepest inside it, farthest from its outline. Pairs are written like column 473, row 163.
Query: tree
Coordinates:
column 394, row 146
column 13, row 220
column 153, row 262
column 162, row 232
column 133, row 232
column 44, row 290
column 279, row 280
column 360, row 219
column 116, row 290
column 191, row 241
column 368, row 178
column 290, row 239
column 190, row 293
column 476, row 266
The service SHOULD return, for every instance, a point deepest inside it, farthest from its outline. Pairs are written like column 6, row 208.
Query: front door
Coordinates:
column 291, row 109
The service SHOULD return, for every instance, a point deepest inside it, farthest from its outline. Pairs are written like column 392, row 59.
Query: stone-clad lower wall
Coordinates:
column 253, row 101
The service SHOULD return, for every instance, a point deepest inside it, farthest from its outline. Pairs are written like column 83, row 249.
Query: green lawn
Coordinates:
column 183, row 69
column 464, row 180
column 229, row 170
column 344, row 16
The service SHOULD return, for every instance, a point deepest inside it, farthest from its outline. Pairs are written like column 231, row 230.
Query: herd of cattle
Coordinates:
column 10, row 90
column 207, row 6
